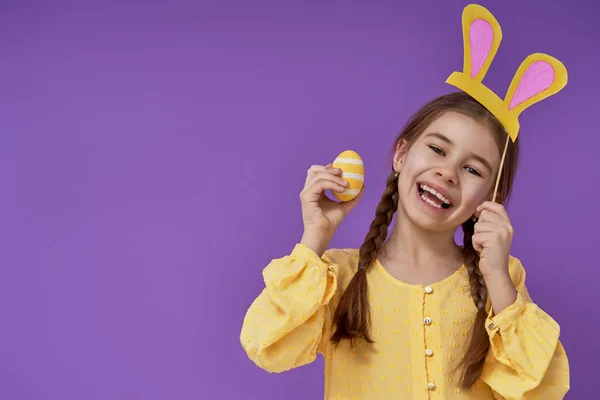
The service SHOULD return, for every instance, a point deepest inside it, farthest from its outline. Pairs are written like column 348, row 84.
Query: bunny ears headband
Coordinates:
column 539, row 75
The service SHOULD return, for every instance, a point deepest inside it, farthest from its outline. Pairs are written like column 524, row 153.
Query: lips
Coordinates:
column 435, row 195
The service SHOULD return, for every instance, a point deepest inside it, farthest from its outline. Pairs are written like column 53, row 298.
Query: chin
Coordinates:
column 430, row 225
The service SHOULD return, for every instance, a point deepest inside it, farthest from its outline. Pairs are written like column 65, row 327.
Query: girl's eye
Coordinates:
column 437, row 150
column 473, row 171
column 470, row 170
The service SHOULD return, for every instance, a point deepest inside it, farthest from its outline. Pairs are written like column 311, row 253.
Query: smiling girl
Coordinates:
column 414, row 315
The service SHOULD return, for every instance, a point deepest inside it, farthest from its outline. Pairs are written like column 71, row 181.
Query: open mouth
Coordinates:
column 433, row 197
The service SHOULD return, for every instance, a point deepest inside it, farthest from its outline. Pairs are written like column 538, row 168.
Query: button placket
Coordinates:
column 428, row 351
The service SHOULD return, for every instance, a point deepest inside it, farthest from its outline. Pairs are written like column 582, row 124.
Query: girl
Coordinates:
column 414, row 316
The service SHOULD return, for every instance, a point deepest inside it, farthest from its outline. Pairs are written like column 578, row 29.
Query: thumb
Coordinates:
column 349, row 205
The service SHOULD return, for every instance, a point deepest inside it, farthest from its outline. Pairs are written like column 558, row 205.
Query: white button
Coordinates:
column 428, row 352
column 428, row 289
column 427, row 320
column 431, row 386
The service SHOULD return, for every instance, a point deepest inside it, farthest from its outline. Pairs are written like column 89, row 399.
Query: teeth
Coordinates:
column 436, row 194
column 430, row 202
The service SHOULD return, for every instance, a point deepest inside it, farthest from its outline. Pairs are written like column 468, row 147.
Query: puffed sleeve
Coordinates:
column 284, row 325
column 526, row 358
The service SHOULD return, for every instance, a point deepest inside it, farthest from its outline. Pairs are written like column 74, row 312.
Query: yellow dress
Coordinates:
column 419, row 331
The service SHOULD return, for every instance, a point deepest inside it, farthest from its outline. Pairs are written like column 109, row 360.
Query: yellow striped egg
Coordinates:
column 353, row 171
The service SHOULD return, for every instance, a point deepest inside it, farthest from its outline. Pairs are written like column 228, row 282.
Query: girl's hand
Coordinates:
column 493, row 239
column 322, row 216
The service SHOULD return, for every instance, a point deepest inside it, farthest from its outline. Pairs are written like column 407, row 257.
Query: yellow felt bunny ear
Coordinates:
column 538, row 77
column 481, row 39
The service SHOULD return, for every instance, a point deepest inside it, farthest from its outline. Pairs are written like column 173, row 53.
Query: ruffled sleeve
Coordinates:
column 284, row 325
column 527, row 359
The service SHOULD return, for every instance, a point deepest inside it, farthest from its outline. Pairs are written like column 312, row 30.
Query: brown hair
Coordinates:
column 352, row 317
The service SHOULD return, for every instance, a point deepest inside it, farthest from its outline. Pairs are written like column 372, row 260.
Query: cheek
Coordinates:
column 415, row 163
column 410, row 168
column 474, row 195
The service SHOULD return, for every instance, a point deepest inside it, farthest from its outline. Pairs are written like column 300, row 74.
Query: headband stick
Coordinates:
column 500, row 170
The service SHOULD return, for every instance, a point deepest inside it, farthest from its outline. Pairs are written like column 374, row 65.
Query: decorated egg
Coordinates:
column 353, row 171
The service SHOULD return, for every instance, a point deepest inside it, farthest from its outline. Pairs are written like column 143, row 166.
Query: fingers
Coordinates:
column 315, row 169
column 319, row 172
column 327, row 176
column 480, row 240
column 493, row 207
column 349, row 205
column 322, row 181
column 484, row 227
column 492, row 222
column 489, row 216
column 485, row 232
column 314, row 192
column 310, row 172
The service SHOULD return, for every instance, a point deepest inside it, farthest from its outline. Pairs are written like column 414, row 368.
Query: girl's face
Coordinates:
column 447, row 172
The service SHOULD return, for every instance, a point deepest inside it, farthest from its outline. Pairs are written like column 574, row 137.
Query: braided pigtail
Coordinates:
column 478, row 344
column 352, row 316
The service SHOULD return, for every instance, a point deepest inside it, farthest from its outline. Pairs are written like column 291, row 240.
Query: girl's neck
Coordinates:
column 416, row 247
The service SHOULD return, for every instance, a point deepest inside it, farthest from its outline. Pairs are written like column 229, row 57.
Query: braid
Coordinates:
column 379, row 227
column 478, row 288
column 352, row 315
column 478, row 345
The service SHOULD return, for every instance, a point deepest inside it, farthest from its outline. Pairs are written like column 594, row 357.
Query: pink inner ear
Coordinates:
column 537, row 78
column 481, row 36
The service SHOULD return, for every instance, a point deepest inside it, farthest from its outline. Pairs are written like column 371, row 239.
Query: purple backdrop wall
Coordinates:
column 152, row 156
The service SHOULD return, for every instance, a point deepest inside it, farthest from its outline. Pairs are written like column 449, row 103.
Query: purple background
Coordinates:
column 152, row 156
